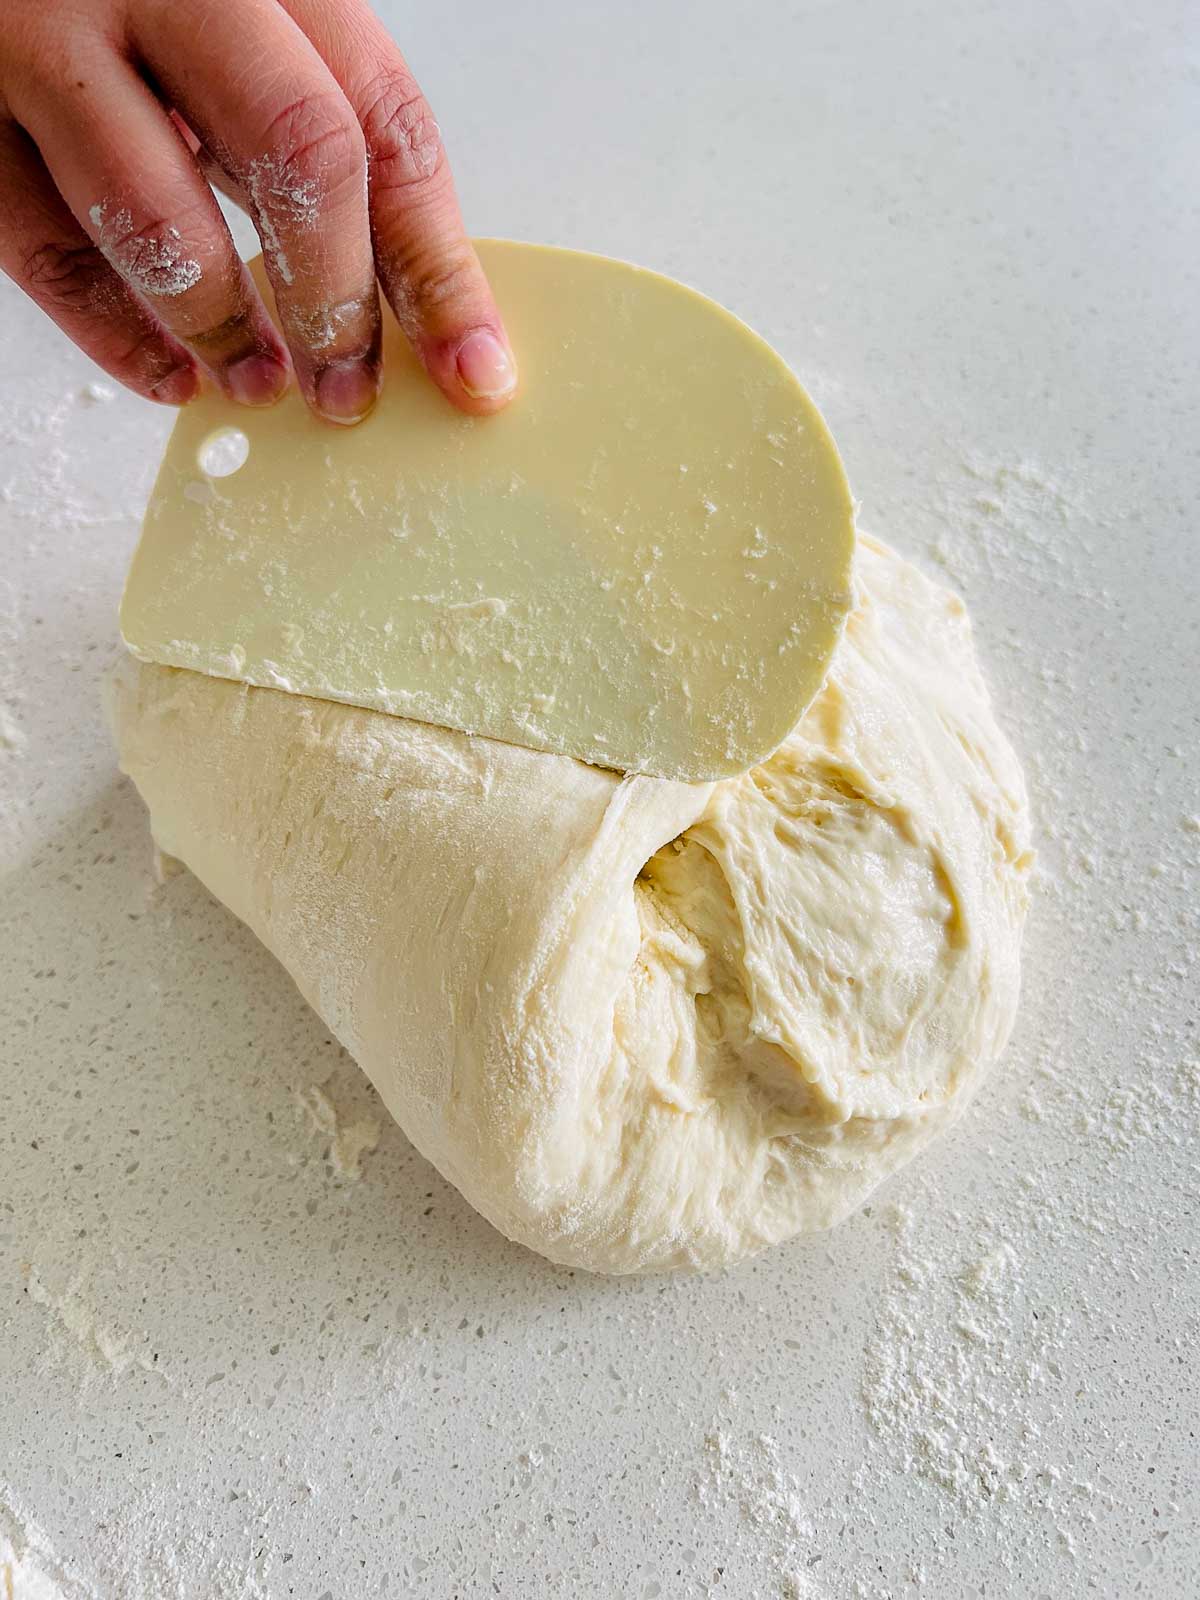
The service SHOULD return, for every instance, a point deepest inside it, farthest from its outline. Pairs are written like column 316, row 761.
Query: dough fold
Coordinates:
column 640, row 1025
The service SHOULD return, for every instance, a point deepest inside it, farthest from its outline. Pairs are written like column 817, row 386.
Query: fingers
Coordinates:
column 271, row 115
column 136, row 190
column 135, row 238
column 45, row 251
column 427, row 265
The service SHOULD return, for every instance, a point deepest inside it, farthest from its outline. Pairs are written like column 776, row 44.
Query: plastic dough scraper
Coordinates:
column 644, row 562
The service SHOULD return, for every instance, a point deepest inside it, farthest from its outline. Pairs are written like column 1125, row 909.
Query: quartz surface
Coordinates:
column 250, row 1343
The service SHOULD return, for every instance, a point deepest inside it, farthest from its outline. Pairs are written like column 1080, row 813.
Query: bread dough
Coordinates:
column 640, row 1024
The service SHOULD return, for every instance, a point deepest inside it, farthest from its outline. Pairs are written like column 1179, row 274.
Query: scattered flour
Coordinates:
column 960, row 1363
column 108, row 1348
column 29, row 1567
column 771, row 1509
column 322, row 326
column 350, row 1139
column 11, row 736
column 277, row 197
column 164, row 867
column 1007, row 522
column 44, row 500
column 42, row 491
column 146, row 1556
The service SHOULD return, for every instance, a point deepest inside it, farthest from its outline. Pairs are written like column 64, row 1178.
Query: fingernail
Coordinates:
column 485, row 367
column 256, row 380
column 179, row 386
column 346, row 391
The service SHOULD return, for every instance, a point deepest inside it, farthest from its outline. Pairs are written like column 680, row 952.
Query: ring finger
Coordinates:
column 136, row 190
column 43, row 248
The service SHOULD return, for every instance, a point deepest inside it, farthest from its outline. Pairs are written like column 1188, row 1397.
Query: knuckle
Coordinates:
column 312, row 148
column 342, row 327
column 66, row 276
column 404, row 142
column 152, row 255
column 441, row 280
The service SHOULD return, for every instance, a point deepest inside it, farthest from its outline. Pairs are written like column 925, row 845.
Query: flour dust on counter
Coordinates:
column 29, row 1567
column 342, row 1115
column 45, row 502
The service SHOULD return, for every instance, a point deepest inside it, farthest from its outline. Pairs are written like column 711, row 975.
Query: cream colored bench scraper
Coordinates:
column 644, row 562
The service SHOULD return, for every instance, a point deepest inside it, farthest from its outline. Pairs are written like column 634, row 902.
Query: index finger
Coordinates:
column 426, row 263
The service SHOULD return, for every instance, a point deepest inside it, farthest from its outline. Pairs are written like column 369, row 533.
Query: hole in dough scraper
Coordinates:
column 644, row 562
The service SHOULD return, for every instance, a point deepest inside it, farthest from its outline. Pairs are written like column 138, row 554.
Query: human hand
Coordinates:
column 114, row 116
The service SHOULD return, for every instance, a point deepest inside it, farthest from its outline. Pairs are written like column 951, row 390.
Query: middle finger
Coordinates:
column 269, row 111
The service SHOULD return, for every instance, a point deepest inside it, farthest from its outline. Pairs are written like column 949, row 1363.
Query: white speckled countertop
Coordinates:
column 229, row 1367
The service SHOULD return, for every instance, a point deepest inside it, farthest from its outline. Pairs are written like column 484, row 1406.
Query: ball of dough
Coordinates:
column 639, row 1024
